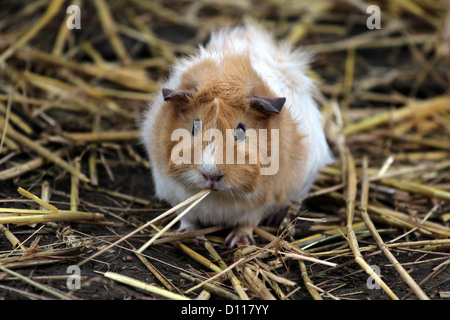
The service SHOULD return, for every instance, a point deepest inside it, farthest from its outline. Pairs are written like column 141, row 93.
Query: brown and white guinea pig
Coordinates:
column 240, row 118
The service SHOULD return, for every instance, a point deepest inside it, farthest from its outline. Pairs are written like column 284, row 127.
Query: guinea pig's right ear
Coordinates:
column 267, row 104
column 176, row 95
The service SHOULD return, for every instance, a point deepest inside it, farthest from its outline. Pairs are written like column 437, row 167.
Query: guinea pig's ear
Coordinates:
column 176, row 95
column 271, row 105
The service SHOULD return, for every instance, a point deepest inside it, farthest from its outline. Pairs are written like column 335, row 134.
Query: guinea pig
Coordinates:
column 238, row 117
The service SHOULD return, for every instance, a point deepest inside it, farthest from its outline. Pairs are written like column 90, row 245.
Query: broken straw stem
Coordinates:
column 144, row 286
column 62, row 215
column 43, row 203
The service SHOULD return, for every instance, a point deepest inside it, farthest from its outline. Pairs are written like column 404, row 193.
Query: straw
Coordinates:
column 62, row 215
column 234, row 280
column 31, row 196
column 198, row 257
column 144, row 286
column 256, row 285
column 12, row 238
column 307, row 281
column 212, row 288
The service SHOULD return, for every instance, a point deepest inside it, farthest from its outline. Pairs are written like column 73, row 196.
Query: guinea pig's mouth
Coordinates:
column 197, row 180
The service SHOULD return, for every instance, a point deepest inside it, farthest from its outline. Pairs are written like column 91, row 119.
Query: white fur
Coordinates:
column 208, row 165
column 284, row 70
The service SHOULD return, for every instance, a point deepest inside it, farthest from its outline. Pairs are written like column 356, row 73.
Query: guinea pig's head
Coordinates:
column 220, row 136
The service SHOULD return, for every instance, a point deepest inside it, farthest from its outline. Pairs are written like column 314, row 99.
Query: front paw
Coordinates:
column 242, row 235
column 186, row 228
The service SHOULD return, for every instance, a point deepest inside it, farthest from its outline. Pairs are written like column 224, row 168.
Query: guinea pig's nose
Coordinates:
column 212, row 177
column 212, row 180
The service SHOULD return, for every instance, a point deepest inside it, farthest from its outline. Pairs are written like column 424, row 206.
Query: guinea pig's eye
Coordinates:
column 196, row 127
column 239, row 132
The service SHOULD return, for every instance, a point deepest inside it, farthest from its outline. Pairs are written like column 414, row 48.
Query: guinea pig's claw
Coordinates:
column 239, row 235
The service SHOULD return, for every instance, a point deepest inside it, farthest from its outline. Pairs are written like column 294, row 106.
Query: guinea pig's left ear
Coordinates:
column 271, row 105
column 180, row 95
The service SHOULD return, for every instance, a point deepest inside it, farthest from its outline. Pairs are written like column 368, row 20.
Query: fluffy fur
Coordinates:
column 215, row 87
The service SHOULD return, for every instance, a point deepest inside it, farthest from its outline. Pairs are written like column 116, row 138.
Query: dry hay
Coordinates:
column 69, row 104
